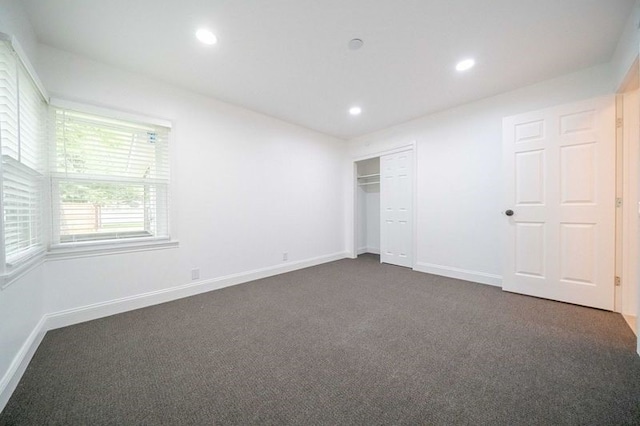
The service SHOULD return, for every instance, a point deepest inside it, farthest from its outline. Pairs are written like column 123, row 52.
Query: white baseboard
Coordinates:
column 20, row 362
column 112, row 307
column 631, row 321
column 461, row 274
column 368, row 250
column 99, row 310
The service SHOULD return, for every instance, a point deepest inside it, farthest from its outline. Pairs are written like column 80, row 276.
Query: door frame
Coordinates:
column 627, row 183
column 353, row 237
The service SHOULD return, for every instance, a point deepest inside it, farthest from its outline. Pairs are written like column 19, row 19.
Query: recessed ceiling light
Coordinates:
column 356, row 110
column 206, row 36
column 355, row 44
column 465, row 65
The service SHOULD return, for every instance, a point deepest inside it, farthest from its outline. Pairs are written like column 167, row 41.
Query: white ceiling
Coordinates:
column 289, row 58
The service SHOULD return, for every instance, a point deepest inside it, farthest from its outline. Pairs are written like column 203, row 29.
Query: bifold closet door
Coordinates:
column 396, row 209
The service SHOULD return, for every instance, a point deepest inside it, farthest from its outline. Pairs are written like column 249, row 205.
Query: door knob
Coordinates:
column 509, row 212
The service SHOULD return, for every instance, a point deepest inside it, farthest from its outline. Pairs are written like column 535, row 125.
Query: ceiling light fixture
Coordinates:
column 465, row 65
column 206, row 36
column 356, row 110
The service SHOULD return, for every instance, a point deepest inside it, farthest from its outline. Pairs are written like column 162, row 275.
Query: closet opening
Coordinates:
column 383, row 214
column 368, row 206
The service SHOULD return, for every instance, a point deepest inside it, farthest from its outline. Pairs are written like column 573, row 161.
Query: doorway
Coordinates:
column 627, row 196
column 368, row 206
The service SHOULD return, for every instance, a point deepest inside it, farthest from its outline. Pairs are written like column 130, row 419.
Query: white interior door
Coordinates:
column 396, row 209
column 560, row 186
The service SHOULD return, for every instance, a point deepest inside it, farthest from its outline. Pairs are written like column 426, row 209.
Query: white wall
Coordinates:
column 368, row 219
column 373, row 219
column 21, row 310
column 627, row 48
column 459, row 172
column 245, row 188
column 14, row 21
column 361, row 233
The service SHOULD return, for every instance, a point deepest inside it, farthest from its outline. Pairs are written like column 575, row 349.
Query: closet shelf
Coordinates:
column 369, row 183
column 369, row 176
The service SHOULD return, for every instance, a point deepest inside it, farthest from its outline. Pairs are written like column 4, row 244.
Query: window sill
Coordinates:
column 63, row 251
column 88, row 250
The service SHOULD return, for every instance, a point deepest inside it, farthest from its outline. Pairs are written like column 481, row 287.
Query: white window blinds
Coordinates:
column 109, row 179
column 22, row 145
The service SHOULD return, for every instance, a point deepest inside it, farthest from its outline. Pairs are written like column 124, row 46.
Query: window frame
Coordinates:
column 93, row 247
column 28, row 259
column 35, row 256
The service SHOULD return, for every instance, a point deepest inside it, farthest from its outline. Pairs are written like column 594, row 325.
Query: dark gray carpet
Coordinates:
column 350, row 342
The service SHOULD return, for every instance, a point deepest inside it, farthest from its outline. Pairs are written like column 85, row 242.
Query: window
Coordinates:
column 109, row 179
column 22, row 145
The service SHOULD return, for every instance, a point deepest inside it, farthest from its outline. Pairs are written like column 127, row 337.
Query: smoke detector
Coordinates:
column 355, row 44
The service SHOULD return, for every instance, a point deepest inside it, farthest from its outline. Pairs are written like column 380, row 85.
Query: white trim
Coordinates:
column 22, row 56
column 414, row 201
column 631, row 321
column 461, row 274
column 68, row 317
column 352, row 250
column 402, row 148
column 64, row 252
column 79, row 177
column 18, row 259
column 628, row 231
column 619, row 212
column 18, row 366
column 109, row 112
column 112, row 307
column 371, row 250
column 39, row 258
column 12, row 274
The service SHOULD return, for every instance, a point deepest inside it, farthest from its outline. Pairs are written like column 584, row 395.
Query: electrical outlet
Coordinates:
column 285, row 256
column 195, row 274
